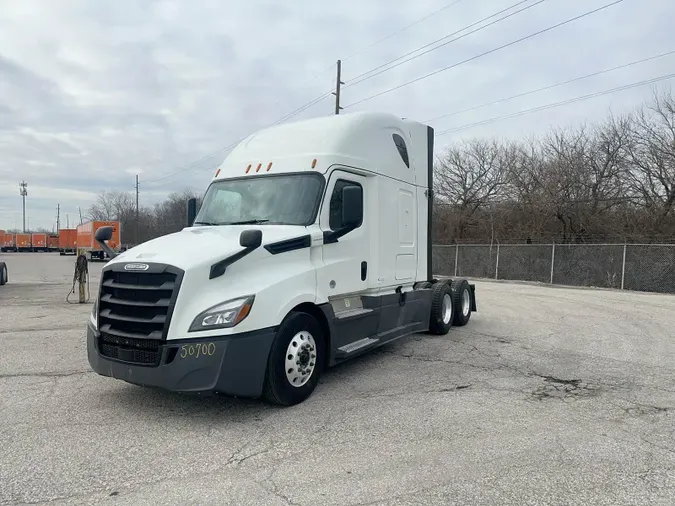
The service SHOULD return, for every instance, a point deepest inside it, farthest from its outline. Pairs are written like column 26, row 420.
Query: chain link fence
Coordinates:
column 639, row 267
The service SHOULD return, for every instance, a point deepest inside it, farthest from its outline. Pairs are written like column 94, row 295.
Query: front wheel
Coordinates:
column 3, row 274
column 296, row 360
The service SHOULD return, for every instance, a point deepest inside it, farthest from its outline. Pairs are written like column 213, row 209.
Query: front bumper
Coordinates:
column 231, row 365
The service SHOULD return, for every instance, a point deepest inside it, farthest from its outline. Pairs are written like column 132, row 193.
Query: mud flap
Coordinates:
column 474, row 308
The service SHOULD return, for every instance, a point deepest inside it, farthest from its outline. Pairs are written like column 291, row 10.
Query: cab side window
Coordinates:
column 335, row 216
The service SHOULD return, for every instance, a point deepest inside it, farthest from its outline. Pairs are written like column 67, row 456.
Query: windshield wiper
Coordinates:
column 206, row 223
column 246, row 222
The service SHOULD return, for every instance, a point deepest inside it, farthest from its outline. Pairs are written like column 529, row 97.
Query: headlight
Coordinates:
column 223, row 315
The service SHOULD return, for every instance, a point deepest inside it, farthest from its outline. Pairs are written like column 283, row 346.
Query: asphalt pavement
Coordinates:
column 549, row 396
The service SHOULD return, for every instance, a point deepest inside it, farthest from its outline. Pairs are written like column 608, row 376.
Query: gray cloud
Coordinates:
column 92, row 93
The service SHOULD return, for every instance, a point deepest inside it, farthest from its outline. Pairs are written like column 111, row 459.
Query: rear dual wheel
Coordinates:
column 450, row 305
column 442, row 308
column 462, row 302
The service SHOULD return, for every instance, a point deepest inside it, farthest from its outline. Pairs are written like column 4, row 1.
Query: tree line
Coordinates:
column 611, row 181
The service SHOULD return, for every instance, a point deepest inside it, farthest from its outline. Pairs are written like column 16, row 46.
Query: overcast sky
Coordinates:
column 93, row 93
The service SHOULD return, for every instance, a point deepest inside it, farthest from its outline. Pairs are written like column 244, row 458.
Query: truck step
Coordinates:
column 350, row 348
column 350, row 313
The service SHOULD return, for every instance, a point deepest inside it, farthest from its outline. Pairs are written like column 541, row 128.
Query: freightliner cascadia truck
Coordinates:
column 312, row 246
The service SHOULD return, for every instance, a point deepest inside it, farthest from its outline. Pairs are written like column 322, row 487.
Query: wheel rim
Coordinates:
column 300, row 359
column 447, row 308
column 466, row 302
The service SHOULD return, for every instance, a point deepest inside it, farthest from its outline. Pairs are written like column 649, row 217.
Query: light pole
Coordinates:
column 23, row 191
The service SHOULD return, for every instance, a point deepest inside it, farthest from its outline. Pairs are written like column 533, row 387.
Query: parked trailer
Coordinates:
column 39, row 242
column 312, row 246
column 87, row 243
column 52, row 242
column 9, row 243
column 3, row 235
column 67, row 241
column 23, row 242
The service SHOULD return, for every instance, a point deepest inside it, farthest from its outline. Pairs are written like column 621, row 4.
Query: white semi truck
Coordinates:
column 312, row 246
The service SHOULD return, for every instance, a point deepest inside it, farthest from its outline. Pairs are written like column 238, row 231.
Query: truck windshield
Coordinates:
column 290, row 199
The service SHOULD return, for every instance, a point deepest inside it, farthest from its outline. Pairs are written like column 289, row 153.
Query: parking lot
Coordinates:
column 549, row 396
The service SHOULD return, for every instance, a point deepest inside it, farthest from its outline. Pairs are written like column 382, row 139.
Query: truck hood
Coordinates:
column 196, row 246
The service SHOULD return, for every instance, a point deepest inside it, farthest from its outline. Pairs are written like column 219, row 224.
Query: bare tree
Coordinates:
column 471, row 176
column 652, row 153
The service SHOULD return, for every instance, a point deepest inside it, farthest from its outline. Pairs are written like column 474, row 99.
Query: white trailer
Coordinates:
column 312, row 246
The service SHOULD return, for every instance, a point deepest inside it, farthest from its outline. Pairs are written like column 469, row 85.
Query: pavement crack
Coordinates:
column 274, row 489
column 639, row 409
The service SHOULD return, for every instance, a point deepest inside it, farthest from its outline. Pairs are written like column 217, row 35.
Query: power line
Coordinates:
column 451, row 4
column 360, row 78
column 302, row 108
column 587, row 76
column 558, row 104
column 190, row 165
column 234, row 144
column 530, row 36
column 315, row 77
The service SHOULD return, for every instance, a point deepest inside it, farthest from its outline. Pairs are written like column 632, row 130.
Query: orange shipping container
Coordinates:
column 67, row 239
column 10, row 241
column 2, row 238
column 39, row 241
column 23, row 241
column 53, row 242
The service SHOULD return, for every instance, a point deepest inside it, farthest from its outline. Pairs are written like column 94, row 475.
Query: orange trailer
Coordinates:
column 10, row 242
column 86, row 241
column 67, row 241
column 23, row 242
column 40, row 242
column 52, row 242
column 6, row 241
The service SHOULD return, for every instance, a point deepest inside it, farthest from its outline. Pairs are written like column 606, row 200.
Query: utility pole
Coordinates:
column 338, row 84
column 67, row 221
column 136, row 238
column 58, row 218
column 23, row 191
column 79, row 210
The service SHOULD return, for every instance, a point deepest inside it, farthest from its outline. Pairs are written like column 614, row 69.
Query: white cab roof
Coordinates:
column 363, row 140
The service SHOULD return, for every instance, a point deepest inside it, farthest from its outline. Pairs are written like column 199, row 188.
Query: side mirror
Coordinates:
column 352, row 206
column 191, row 211
column 103, row 234
column 250, row 239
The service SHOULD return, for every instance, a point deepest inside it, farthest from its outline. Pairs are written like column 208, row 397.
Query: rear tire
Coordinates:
column 3, row 274
column 442, row 308
column 461, row 292
column 297, row 348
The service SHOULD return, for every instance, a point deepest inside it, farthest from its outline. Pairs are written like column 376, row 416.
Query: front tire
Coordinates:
column 3, row 275
column 296, row 360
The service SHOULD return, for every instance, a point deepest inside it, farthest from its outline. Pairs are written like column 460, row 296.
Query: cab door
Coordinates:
column 346, row 258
